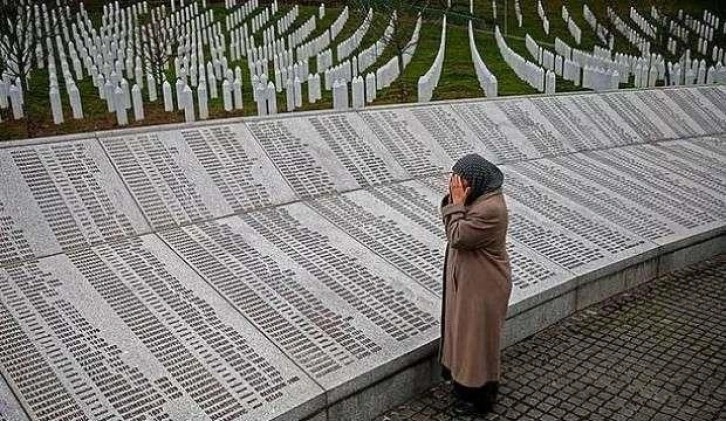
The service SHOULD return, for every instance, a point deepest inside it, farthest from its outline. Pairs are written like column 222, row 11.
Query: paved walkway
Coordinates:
column 657, row 352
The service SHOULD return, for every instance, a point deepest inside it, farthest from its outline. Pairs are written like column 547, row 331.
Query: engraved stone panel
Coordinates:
column 678, row 207
column 616, row 130
column 669, row 112
column 539, row 132
column 699, row 105
column 595, row 198
column 394, row 222
column 128, row 331
column 502, row 141
column 178, row 177
column 434, row 130
column 330, row 304
column 60, row 196
column 326, row 153
column 675, row 159
column 638, row 116
column 576, row 127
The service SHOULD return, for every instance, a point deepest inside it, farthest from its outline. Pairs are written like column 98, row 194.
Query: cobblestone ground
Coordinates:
column 657, row 352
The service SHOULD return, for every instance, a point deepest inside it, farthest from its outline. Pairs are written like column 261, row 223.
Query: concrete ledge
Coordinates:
column 547, row 308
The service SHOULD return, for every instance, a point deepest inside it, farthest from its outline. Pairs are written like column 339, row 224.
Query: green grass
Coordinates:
column 458, row 78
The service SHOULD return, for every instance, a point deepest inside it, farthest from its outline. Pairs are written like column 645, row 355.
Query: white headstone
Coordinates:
column 121, row 116
column 203, row 100
column 151, row 85
column 271, row 98
column 127, row 93
column 138, row 103
column 297, row 86
column 370, row 87
column 56, row 106
column 168, row 99
column 187, row 101
column 290, row 93
column 358, row 93
column 16, row 102
column 74, row 97
column 227, row 96
column 237, row 87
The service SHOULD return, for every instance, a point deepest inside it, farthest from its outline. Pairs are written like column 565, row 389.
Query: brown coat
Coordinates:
column 477, row 286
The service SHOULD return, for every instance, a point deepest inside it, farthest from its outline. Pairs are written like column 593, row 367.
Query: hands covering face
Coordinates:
column 459, row 189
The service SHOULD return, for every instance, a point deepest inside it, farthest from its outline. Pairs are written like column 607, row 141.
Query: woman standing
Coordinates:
column 477, row 283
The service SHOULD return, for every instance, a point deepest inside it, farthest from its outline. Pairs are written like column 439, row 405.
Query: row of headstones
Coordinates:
column 236, row 17
column 339, row 22
column 642, row 23
column 529, row 72
column 286, row 21
column 543, row 17
column 295, row 42
column 575, row 30
column 429, row 80
column 487, row 81
column 633, row 37
column 705, row 28
column 346, row 47
column 602, row 33
column 600, row 58
column 370, row 54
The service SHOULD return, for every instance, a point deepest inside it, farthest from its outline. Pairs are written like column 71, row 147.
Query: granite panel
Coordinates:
column 631, row 108
column 334, row 307
column 60, row 196
column 424, row 139
column 326, row 153
column 128, row 329
column 182, row 176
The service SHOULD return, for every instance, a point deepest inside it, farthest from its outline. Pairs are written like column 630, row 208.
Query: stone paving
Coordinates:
column 657, row 352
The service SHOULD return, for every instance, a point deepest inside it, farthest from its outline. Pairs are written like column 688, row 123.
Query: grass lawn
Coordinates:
column 458, row 78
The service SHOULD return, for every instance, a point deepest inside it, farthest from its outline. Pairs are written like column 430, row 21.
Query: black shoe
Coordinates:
column 462, row 408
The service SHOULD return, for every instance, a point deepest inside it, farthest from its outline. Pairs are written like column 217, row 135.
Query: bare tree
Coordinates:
column 397, row 32
column 27, row 38
column 157, row 44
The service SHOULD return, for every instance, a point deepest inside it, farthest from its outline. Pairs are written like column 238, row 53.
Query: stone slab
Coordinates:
column 704, row 106
column 61, row 196
column 338, row 310
column 538, row 131
column 678, row 217
column 182, row 176
column 398, row 222
column 669, row 112
column 686, row 163
column 638, row 115
column 423, row 139
column 324, row 154
column 601, row 115
column 128, row 328
column 502, row 141
column 578, row 129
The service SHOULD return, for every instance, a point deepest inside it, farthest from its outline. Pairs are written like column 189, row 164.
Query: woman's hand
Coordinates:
column 458, row 189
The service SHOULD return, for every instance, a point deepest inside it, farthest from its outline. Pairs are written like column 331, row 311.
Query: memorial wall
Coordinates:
column 267, row 269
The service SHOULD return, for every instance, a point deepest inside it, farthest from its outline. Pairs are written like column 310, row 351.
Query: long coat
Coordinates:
column 477, row 287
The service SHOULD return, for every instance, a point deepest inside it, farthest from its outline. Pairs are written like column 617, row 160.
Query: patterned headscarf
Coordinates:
column 482, row 176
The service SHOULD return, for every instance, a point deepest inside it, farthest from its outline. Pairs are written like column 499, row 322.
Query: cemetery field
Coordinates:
column 458, row 76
